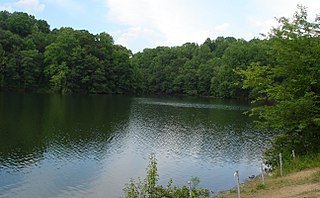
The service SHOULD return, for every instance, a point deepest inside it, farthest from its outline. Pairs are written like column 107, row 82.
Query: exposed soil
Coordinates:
column 303, row 184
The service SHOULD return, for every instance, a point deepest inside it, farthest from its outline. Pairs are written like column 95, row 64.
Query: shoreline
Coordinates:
column 305, row 182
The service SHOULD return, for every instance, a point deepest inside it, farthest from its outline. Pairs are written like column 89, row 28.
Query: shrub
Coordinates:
column 149, row 187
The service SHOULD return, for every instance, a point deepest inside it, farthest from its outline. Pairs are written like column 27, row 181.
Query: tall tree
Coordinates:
column 30, row 69
column 20, row 23
column 290, row 84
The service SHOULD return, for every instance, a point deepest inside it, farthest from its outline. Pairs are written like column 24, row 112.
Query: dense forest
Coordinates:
column 281, row 71
column 35, row 58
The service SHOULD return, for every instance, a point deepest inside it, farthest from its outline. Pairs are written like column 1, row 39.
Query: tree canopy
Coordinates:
column 35, row 58
column 62, row 60
column 289, row 85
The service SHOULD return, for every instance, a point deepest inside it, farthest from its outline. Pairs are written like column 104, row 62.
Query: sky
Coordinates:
column 140, row 24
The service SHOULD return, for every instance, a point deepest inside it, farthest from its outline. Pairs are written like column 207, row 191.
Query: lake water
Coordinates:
column 90, row 146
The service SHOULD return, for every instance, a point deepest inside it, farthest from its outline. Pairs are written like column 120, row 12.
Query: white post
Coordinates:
column 190, row 189
column 280, row 159
column 262, row 173
column 236, row 174
column 293, row 155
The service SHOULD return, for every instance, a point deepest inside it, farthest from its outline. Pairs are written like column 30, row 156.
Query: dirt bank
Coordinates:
column 304, row 184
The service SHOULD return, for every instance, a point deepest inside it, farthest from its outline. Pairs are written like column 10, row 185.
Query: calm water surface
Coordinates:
column 90, row 146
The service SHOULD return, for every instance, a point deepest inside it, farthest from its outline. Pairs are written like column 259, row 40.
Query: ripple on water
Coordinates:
column 92, row 148
column 193, row 105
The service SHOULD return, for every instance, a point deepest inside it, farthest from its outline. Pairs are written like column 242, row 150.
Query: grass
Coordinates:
column 316, row 178
column 274, row 182
column 299, row 163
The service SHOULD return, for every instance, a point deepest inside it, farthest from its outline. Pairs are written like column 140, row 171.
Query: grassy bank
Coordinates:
column 301, row 179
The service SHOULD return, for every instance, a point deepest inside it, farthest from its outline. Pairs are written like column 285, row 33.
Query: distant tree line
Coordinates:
column 200, row 70
column 35, row 58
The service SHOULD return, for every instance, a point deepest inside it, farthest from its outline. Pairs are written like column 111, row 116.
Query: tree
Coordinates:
column 221, row 44
column 122, row 69
column 290, row 85
column 58, row 80
column 188, row 77
column 30, row 68
column 4, row 15
column 42, row 26
column 204, row 74
column 20, row 23
column 2, row 66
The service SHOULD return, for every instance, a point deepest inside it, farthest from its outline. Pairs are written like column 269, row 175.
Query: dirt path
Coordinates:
column 305, row 190
column 304, row 184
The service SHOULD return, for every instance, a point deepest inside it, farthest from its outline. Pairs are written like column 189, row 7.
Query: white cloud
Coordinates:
column 31, row 6
column 265, row 21
column 7, row 7
column 133, row 35
column 263, row 26
column 173, row 22
column 222, row 28
column 286, row 8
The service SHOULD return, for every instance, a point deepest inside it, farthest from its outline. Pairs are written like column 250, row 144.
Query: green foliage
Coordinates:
column 68, row 60
column 289, row 86
column 31, row 68
column 20, row 23
column 205, row 70
column 150, row 188
column 64, row 60
column 261, row 187
column 58, row 79
column 2, row 66
column 300, row 162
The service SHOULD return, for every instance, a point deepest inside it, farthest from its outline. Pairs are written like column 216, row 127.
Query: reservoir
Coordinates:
column 91, row 145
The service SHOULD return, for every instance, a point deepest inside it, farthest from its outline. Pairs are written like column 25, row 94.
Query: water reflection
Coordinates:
column 206, row 133
column 206, row 140
column 90, row 146
column 50, row 144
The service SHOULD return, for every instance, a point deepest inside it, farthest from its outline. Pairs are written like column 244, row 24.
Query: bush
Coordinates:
column 149, row 187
